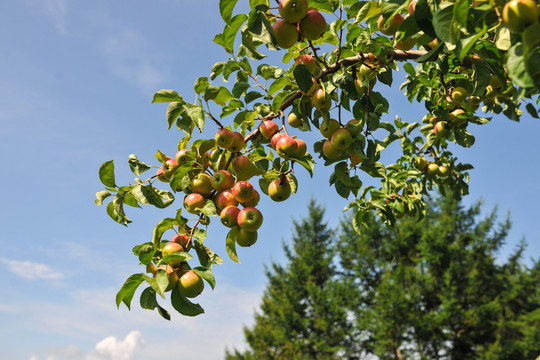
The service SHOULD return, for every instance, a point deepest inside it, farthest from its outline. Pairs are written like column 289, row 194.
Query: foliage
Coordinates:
column 466, row 56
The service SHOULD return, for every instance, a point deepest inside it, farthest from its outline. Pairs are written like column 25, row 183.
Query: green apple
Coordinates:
column 341, row 139
column 313, row 25
column 329, row 129
column 242, row 191
column 440, row 128
column 368, row 71
column 202, row 184
column 279, row 190
column 353, row 128
column 308, row 61
column 182, row 157
column 459, row 94
column 293, row 10
column 194, row 201
column 406, row 44
column 169, row 167
column 268, row 128
column 222, row 180
column 250, row 219
column 294, row 120
column 518, row 14
column 224, row 138
column 458, row 116
column 420, row 163
column 172, row 248
column 286, row 34
column 229, row 216
column 330, row 151
column 390, row 26
column 190, row 284
column 245, row 238
column 433, row 169
column 444, row 171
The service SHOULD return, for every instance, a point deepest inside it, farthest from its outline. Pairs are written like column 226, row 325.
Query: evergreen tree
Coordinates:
column 434, row 290
column 303, row 314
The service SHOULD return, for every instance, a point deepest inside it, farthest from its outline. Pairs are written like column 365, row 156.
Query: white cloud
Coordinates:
column 31, row 270
column 112, row 348
column 57, row 11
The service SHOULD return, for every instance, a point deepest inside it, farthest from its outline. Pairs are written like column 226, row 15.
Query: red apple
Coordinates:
column 321, row 100
column 161, row 174
column 276, row 138
column 229, row 216
column 313, row 25
column 194, row 201
column 250, row 219
column 308, row 61
column 190, row 284
column 182, row 157
column 169, row 167
column 182, row 239
column 238, row 142
column 279, row 190
column 412, row 6
column 390, row 26
column 172, row 248
column 222, row 180
column 241, row 163
column 226, row 198
column 302, row 148
column 253, row 201
column 242, row 191
column 268, row 128
column 224, row 138
column 286, row 147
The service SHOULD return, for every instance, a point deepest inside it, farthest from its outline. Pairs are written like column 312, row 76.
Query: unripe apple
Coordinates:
column 182, row 157
column 440, row 128
column 182, row 239
column 420, row 163
column 255, row 198
column 240, row 163
column 279, row 190
column 390, row 26
column 412, row 7
column 444, row 171
column 172, row 276
column 286, row 34
column 474, row 102
column 169, row 167
column 268, row 128
column 293, row 10
column 308, row 61
column 286, row 147
column 229, row 216
column 172, row 248
column 190, row 284
column 368, row 71
column 294, row 120
column 351, row 126
column 406, row 44
column 226, row 198
column 360, row 89
column 222, row 180
column 459, row 94
column 250, row 219
column 321, row 100
column 341, row 139
column 302, row 148
column 518, row 14
column 313, row 25
column 328, row 130
column 245, row 238
column 224, row 138
column 194, row 201
column 238, row 142
column 202, row 184
column 458, row 117
column 242, row 191
column 354, row 158
column 433, row 169
column 330, row 151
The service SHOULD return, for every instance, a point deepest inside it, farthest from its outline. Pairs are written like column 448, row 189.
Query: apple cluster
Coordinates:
column 338, row 140
column 297, row 22
column 431, row 168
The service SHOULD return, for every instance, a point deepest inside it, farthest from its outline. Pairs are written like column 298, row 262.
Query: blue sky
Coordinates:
column 76, row 83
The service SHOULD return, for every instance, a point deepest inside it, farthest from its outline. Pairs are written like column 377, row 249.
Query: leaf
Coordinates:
column 303, row 78
column 195, row 114
column 219, row 94
column 136, row 166
column 148, row 299
column 127, row 290
column 182, row 304
column 149, row 195
column 179, row 256
column 206, row 274
column 206, row 255
column 101, row 195
column 106, row 173
column 161, row 227
column 166, row 96
column 307, row 163
column 516, row 66
column 173, row 112
column 443, row 22
column 146, row 253
column 230, row 243
column 231, row 30
column 115, row 209
column 226, row 8
column 201, row 84
column 248, row 46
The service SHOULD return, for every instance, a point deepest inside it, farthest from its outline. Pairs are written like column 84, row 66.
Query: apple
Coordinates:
column 294, row 120
column 312, row 88
column 458, row 116
column 238, row 142
column 240, row 163
column 355, row 158
column 172, row 248
column 226, row 198
column 329, row 129
column 330, row 151
column 433, row 169
column 182, row 157
column 293, row 10
column 302, row 148
column 202, row 184
column 440, row 128
column 360, row 89
column 250, row 219
column 321, row 100
column 172, row 276
column 161, row 174
column 420, row 163
column 368, row 71
column 245, row 238
column 169, row 167
column 286, row 34
column 444, row 171
column 341, row 139
column 313, row 25
column 352, row 127
column 308, row 61
column 518, row 14
column 242, row 191
column 253, row 201
column 268, row 128
column 279, row 190
column 474, row 102
column 194, row 201
column 406, row 44
column 222, row 180
column 412, row 7
column 190, row 284
column 224, row 138
column 276, row 138
column 229, row 216
column 286, row 147
column 182, row 239
column 459, row 94
column 390, row 26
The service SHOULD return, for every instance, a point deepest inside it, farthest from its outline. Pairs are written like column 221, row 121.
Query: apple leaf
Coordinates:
column 201, row 84
column 127, row 290
column 106, row 173
column 161, row 227
column 307, row 162
column 179, row 256
column 206, row 255
column 174, row 110
column 226, row 8
column 145, row 253
column 248, row 46
column 136, row 166
column 230, row 31
column 206, row 274
column 182, row 304
column 230, row 243
column 303, row 78
column 101, row 195
column 166, row 96
column 148, row 299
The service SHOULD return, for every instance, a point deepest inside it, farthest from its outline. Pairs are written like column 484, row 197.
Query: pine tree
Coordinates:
column 302, row 315
column 434, row 289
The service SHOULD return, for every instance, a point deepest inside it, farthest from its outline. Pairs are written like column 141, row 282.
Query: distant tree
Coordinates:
column 434, row 289
column 303, row 314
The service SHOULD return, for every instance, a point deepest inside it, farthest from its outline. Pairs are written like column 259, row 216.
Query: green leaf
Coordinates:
column 166, row 96
column 516, row 66
column 230, row 243
column 303, row 78
column 201, row 84
column 231, row 30
column 206, row 255
column 195, row 114
column 182, row 304
column 127, row 290
column 149, row 195
column 106, row 173
column 173, row 112
column 101, row 195
column 461, row 13
column 219, row 94
column 248, row 47
column 148, row 299
column 161, row 227
column 115, row 209
column 146, row 253
column 154, row 282
column 307, row 163
column 206, row 274
column 279, row 84
column 136, row 166
column 226, row 8
column 444, row 24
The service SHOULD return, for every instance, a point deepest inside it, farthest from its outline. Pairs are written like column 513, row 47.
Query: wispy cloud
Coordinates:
column 32, row 270
column 57, row 11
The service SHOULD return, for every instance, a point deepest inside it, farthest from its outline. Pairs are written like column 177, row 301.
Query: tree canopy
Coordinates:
column 472, row 59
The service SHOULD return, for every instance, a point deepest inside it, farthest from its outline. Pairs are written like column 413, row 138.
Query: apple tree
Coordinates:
column 464, row 60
